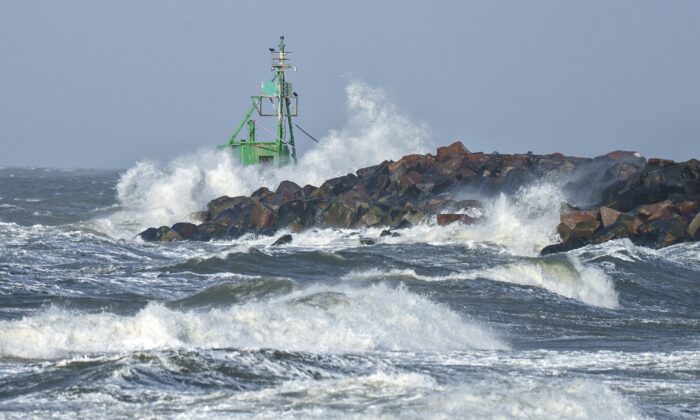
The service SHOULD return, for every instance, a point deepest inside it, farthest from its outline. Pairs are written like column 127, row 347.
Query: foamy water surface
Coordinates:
column 440, row 322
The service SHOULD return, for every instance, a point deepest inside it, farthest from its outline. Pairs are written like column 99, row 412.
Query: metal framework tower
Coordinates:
column 276, row 99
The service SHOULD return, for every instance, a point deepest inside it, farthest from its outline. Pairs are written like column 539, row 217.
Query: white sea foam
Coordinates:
column 530, row 398
column 378, row 274
column 316, row 319
column 153, row 195
column 569, row 278
column 524, row 224
column 686, row 254
column 415, row 395
column 520, row 225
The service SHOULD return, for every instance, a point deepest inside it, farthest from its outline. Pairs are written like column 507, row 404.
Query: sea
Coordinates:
column 439, row 322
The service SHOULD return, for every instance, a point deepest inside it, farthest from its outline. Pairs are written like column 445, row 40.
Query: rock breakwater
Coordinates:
column 621, row 194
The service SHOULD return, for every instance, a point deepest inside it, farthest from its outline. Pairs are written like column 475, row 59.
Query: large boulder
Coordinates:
column 578, row 224
column 455, row 149
column 571, row 244
column 446, row 219
column 161, row 234
column 283, row 240
column 612, row 231
column 187, row 231
column 660, row 233
column 217, row 206
column 339, row 185
column 341, row 215
column 373, row 216
column 292, row 214
column 244, row 215
column 694, row 228
column 609, row 216
column 688, row 207
column 262, row 217
column 285, row 192
column 261, row 193
column 663, row 210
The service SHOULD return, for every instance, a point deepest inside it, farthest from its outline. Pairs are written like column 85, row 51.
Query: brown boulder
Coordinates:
column 621, row 154
column 661, row 233
column 287, row 191
column 410, row 178
column 694, row 228
column 573, row 218
column 309, row 191
column 633, row 224
column 407, row 163
column 578, row 224
column 662, row 210
column 673, row 234
column 186, row 231
column 262, row 217
column 687, row 207
column 455, row 149
column 337, row 186
column 161, row 234
column 657, row 163
column 451, row 166
column 446, row 219
column 218, row 205
column 340, row 214
column 261, row 192
column 609, row 216
column 613, row 231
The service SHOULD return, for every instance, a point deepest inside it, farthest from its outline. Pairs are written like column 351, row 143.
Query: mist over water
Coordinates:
column 441, row 322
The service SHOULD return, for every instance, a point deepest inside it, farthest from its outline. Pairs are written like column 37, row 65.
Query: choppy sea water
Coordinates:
column 442, row 322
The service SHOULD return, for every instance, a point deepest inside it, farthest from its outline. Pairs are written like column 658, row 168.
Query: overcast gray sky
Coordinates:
column 103, row 84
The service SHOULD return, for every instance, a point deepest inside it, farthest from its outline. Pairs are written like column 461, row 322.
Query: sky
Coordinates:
column 106, row 84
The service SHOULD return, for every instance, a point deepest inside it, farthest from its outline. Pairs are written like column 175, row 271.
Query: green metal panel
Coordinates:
column 260, row 153
column 269, row 88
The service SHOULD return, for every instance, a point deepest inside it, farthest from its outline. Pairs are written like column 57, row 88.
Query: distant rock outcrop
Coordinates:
column 653, row 202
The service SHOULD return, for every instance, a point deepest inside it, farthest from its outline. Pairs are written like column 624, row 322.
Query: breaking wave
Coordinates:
column 316, row 319
column 563, row 275
column 151, row 194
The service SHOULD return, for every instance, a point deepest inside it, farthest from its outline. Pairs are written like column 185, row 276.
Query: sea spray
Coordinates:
column 525, row 223
column 522, row 224
column 153, row 195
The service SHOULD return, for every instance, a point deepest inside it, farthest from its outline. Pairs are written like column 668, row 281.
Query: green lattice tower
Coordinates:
column 278, row 92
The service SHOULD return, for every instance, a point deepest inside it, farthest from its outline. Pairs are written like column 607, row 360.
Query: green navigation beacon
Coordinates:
column 276, row 99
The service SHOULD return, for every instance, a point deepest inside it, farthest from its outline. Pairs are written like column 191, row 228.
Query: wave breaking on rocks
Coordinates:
column 652, row 202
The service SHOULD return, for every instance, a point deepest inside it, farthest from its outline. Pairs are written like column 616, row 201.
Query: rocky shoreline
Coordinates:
column 652, row 202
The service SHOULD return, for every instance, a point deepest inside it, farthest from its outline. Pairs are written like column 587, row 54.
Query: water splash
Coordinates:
column 153, row 195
